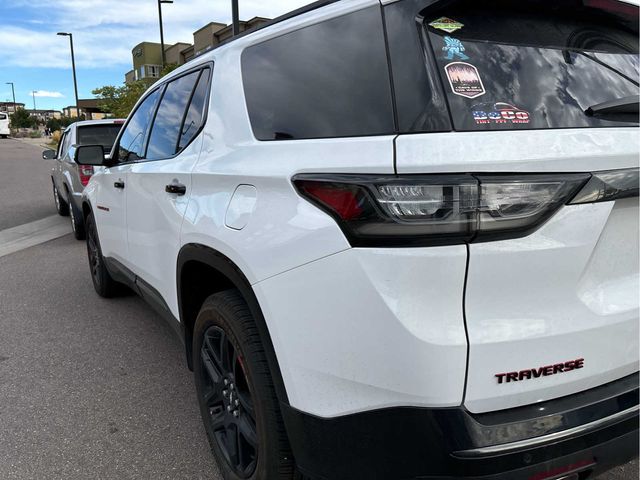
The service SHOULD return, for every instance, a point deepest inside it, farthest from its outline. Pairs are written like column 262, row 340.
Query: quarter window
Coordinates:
column 326, row 80
column 165, row 133
column 131, row 146
column 194, row 117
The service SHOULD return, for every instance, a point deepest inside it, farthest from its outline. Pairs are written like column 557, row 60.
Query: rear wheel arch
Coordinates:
column 202, row 271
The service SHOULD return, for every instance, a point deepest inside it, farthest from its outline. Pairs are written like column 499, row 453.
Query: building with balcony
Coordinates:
column 147, row 56
column 10, row 107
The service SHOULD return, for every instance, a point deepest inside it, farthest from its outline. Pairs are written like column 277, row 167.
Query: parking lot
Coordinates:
column 89, row 388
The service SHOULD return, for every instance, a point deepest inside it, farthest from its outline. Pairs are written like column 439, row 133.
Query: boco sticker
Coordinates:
column 464, row 80
column 499, row 113
column 446, row 24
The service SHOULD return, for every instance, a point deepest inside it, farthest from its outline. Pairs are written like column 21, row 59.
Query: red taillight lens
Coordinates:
column 341, row 199
column 85, row 171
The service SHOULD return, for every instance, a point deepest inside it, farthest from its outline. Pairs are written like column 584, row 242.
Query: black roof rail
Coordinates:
column 294, row 13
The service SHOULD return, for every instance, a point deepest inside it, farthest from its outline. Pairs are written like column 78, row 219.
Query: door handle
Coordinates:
column 175, row 188
column 118, row 184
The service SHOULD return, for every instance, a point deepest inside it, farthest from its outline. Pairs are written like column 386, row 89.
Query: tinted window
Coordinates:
column 326, row 80
column 104, row 135
column 527, row 67
column 194, row 118
column 165, row 133
column 3, row 116
column 131, row 147
column 420, row 103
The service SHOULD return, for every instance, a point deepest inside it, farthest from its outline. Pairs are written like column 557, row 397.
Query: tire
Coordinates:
column 77, row 223
column 236, row 393
column 62, row 207
column 104, row 285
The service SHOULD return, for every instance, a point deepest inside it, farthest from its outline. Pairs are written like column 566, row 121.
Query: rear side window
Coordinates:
column 165, row 133
column 195, row 114
column 533, row 65
column 104, row 135
column 325, row 80
column 3, row 116
column 131, row 146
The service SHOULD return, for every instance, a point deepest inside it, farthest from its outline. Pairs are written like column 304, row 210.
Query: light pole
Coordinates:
column 235, row 14
column 73, row 66
column 33, row 92
column 164, row 57
column 13, row 92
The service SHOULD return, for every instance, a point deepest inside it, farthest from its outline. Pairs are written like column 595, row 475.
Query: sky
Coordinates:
column 35, row 59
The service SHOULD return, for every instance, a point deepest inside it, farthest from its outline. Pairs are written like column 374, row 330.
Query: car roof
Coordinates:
column 84, row 123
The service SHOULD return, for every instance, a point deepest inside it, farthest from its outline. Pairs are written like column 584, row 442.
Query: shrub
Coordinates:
column 55, row 137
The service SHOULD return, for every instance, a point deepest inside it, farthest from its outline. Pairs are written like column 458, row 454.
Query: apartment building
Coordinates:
column 147, row 56
column 10, row 107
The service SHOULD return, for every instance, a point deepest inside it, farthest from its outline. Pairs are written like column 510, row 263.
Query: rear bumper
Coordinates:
column 587, row 433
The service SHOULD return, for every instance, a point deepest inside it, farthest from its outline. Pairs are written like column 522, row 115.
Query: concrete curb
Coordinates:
column 18, row 238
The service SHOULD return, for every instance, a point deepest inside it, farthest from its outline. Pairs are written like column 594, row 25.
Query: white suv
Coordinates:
column 398, row 238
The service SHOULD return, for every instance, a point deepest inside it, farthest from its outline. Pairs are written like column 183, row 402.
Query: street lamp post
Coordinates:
column 235, row 14
column 13, row 92
column 164, row 56
column 73, row 66
column 33, row 92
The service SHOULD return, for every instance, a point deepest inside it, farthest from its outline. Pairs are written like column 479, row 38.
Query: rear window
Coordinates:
column 533, row 64
column 104, row 135
column 3, row 116
column 325, row 80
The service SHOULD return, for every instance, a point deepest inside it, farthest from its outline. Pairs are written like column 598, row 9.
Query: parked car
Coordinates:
column 4, row 125
column 369, row 283
column 69, row 178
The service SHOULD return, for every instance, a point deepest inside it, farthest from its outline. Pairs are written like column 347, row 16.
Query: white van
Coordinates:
column 4, row 125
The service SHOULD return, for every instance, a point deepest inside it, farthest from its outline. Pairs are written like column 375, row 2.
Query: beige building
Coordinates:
column 88, row 107
column 10, row 107
column 147, row 56
column 44, row 115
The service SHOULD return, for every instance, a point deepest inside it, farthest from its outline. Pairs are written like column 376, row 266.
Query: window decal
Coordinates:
column 454, row 48
column 499, row 113
column 464, row 80
column 446, row 24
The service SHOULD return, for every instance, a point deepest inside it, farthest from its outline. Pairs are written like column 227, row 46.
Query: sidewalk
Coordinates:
column 38, row 142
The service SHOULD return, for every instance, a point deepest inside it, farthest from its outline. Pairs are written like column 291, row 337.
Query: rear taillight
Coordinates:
column 421, row 210
column 85, row 171
column 611, row 185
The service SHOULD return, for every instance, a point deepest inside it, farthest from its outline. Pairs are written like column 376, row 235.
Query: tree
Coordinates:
column 22, row 119
column 119, row 101
column 54, row 124
column 60, row 123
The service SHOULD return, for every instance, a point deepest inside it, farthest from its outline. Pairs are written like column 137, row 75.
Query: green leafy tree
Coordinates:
column 22, row 119
column 119, row 101
column 54, row 124
column 61, row 123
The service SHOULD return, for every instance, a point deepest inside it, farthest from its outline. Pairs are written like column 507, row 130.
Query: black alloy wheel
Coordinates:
column 236, row 394
column 228, row 397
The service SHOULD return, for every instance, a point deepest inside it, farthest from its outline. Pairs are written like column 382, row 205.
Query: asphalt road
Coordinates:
column 89, row 388
column 25, row 184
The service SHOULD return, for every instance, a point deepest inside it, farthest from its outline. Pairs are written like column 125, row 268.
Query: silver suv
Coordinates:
column 69, row 178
